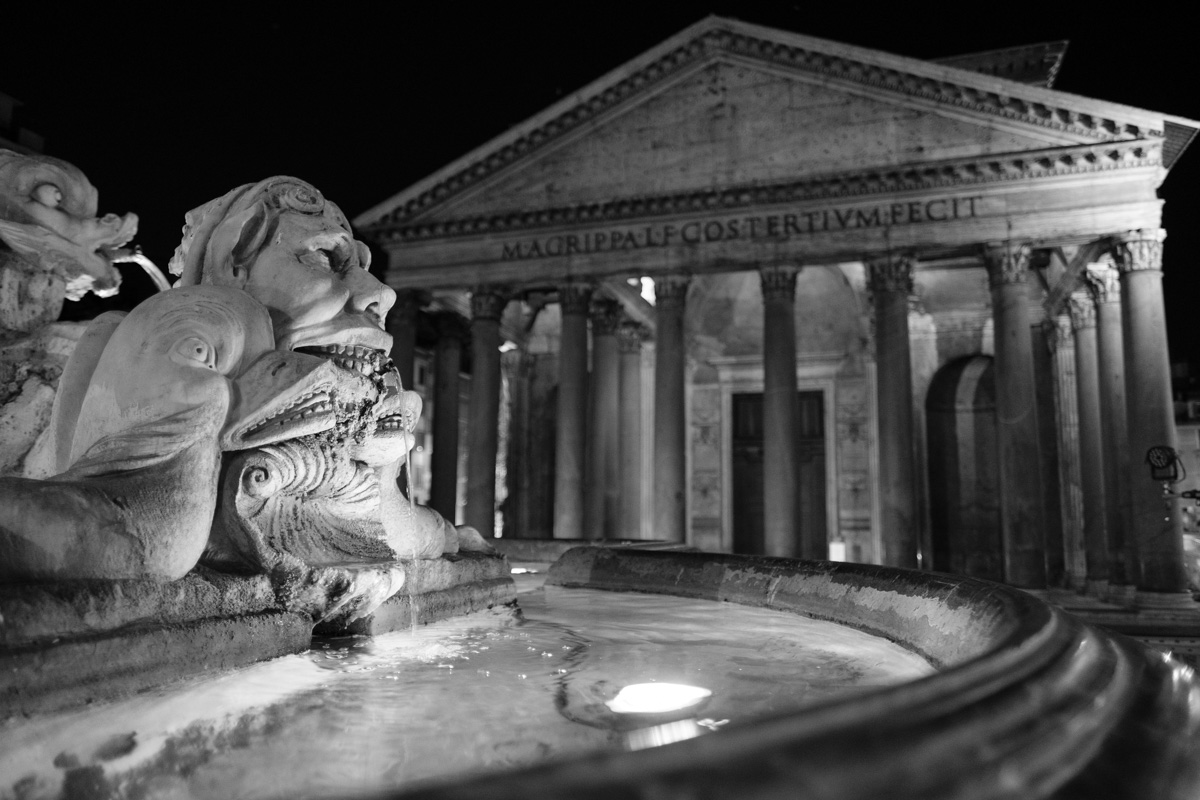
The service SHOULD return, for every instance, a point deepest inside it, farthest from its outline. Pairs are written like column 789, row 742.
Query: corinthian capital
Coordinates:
column 1082, row 307
column 671, row 289
column 779, row 282
column 630, row 336
column 1104, row 281
column 1007, row 262
column 1138, row 250
column 606, row 317
column 488, row 302
column 575, row 297
column 890, row 274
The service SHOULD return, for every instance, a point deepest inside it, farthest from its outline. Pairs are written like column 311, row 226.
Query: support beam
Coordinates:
column 670, row 412
column 781, row 535
column 483, row 418
column 574, row 299
column 1021, row 513
column 891, row 284
column 443, row 492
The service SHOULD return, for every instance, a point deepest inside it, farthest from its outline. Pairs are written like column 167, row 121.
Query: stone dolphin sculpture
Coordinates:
column 48, row 215
column 188, row 374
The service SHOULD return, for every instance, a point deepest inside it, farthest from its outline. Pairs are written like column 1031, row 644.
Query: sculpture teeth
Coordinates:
column 355, row 358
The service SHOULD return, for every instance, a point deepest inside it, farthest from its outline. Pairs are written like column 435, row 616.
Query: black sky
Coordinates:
column 167, row 109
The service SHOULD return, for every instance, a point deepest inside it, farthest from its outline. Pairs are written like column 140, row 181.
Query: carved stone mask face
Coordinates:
column 312, row 277
column 48, row 215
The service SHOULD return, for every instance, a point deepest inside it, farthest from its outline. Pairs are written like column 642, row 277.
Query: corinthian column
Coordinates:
column 1021, row 514
column 574, row 299
column 1091, row 442
column 670, row 360
column 629, row 340
column 603, row 491
column 1106, row 286
column 891, row 283
column 402, row 325
column 487, row 304
column 781, row 536
column 443, row 490
column 1156, row 521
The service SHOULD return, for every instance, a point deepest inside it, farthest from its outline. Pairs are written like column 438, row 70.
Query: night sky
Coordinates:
column 165, row 110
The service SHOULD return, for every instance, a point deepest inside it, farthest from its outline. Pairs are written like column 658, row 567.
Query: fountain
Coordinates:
column 218, row 479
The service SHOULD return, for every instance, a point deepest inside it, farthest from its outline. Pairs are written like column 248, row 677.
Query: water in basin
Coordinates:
column 484, row 692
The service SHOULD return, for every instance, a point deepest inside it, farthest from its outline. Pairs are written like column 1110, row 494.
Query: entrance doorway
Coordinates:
column 748, row 468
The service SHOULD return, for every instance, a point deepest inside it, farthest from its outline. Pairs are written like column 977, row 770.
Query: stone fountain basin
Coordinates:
column 1029, row 701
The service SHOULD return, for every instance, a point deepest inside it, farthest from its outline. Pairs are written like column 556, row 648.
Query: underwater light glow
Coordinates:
column 657, row 698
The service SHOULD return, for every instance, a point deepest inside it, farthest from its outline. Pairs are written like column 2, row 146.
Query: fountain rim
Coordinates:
column 1044, row 703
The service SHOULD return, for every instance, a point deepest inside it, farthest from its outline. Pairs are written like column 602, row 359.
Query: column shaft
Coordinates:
column 1156, row 520
column 891, row 284
column 781, row 536
column 1066, row 402
column 572, row 411
column 484, row 411
column 443, row 491
column 629, row 338
column 1021, row 514
column 603, row 492
column 402, row 325
column 670, row 443
column 1114, row 422
column 1091, row 442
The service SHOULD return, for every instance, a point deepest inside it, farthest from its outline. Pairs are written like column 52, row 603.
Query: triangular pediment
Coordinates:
column 725, row 105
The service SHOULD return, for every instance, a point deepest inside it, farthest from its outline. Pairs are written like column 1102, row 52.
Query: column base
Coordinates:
column 1167, row 601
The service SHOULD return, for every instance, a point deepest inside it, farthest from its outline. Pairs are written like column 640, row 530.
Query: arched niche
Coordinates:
column 964, row 488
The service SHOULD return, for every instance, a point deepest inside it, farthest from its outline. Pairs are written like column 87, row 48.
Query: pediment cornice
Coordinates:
column 951, row 173
column 716, row 39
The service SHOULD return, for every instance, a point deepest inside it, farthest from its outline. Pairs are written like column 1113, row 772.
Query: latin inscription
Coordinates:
column 779, row 227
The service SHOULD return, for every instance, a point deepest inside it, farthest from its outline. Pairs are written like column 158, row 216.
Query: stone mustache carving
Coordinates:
column 48, row 217
column 151, row 402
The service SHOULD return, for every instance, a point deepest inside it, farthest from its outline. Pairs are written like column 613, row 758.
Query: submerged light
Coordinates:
column 657, row 698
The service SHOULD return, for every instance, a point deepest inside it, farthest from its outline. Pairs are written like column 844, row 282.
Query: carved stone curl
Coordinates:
column 671, row 289
column 1082, row 307
column 488, row 302
column 890, row 274
column 606, row 317
column 575, row 297
column 630, row 336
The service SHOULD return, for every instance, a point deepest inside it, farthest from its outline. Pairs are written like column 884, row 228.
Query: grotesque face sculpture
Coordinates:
column 48, row 215
column 293, row 251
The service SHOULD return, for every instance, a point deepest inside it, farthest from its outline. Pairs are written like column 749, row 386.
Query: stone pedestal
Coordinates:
column 1021, row 513
column 443, row 492
column 781, row 535
column 1155, row 517
column 670, row 455
column 484, row 416
column 574, row 300
column 891, row 283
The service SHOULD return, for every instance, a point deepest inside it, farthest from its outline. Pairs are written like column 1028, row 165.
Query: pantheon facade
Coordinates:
column 759, row 292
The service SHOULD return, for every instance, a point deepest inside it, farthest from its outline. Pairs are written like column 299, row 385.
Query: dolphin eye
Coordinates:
column 194, row 351
column 48, row 195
